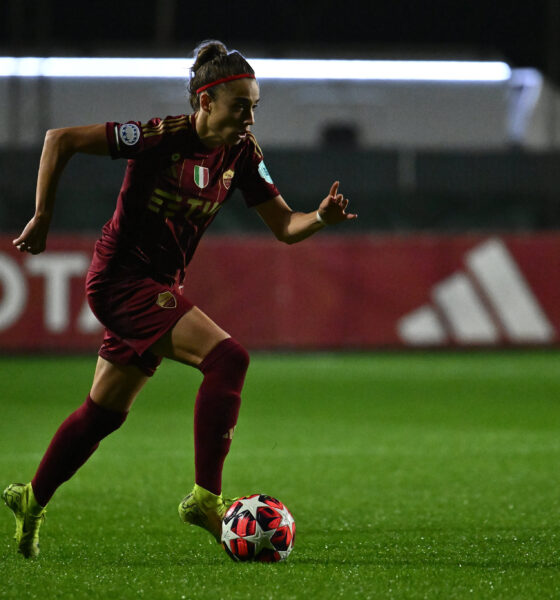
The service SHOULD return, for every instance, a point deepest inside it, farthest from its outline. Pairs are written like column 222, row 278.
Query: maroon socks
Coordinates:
column 74, row 442
column 215, row 416
column 216, row 410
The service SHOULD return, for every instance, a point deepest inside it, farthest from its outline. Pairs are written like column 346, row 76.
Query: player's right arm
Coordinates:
column 59, row 146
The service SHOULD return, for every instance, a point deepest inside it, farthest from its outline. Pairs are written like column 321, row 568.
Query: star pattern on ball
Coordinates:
column 252, row 505
column 262, row 539
column 258, row 528
column 287, row 518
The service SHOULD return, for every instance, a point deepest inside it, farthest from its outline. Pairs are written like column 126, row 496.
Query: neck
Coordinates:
column 209, row 138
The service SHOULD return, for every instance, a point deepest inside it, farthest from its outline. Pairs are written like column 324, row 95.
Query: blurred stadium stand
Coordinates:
column 411, row 156
column 432, row 190
column 467, row 171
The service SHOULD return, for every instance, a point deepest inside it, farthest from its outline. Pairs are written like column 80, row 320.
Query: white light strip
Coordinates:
column 265, row 68
column 396, row 70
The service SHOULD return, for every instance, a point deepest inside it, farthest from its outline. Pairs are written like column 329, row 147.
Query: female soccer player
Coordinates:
column 180, row 172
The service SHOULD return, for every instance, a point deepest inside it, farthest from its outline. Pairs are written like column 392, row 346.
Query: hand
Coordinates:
column 333, row 208
column 33, row 238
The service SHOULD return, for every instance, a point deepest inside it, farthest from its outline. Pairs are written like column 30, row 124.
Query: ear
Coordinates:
column 205, row 102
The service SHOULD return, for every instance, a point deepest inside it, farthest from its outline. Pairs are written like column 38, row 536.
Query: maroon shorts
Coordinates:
column 136, row 312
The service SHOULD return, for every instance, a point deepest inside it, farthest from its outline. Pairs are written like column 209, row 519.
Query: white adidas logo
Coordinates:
column 489, row 303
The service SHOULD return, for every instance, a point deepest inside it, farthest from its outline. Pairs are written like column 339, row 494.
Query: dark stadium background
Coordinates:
column 513, row 189
column 523, row 33
column 413, row 471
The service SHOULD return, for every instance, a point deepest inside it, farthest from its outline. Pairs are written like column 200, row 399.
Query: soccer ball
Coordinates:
column 258, row 528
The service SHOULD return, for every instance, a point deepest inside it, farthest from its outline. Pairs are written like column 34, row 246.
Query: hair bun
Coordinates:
column 212, row 63
column 207, row 51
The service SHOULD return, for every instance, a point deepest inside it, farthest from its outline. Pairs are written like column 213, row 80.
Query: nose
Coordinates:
column 249, row 117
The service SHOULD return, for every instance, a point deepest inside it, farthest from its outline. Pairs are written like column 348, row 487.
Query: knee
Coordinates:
column 96, row 421
column 229, row 358
column 238, row 357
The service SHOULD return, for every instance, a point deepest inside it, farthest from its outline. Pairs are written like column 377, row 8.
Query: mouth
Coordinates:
column 236, row 137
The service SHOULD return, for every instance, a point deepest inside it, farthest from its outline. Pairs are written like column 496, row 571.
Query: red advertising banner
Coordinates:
column 327, row 292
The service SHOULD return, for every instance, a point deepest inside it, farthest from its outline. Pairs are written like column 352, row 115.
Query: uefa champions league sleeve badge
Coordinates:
column 263, row 172
column 129, row 134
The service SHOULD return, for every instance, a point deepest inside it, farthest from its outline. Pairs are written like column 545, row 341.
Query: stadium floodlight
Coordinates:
column 383, row 70
column 265, row 68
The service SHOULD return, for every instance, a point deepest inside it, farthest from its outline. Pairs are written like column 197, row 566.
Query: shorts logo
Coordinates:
column 263, row 172
column 201, row 176
column 129, row 134
column 166, row 300
column 227, row 177
column 228, row 435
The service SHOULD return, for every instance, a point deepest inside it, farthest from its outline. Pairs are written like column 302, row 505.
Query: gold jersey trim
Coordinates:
column 167, row 125
column 256, row 148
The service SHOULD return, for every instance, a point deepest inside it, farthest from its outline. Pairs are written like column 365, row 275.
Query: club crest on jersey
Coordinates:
column 129, row 134
column 166, row 300
column 201, row 176
column 227, row 177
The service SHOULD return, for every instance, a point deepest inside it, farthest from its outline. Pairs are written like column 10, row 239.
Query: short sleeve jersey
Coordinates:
column 173, row 188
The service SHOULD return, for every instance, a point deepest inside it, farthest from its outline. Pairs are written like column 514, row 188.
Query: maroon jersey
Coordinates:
column 173, row 188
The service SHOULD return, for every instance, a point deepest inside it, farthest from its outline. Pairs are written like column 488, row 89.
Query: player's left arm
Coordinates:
column 291, row 227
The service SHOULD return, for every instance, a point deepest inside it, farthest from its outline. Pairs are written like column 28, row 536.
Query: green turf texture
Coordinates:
column 419, row 475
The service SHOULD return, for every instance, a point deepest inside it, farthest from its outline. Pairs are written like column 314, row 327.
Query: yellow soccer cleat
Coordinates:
column 204, row 509
column 29, row 516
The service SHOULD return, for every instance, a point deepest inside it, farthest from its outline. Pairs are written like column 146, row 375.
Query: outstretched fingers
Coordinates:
column 334, row 189
column 343, row 204
column 333, row 208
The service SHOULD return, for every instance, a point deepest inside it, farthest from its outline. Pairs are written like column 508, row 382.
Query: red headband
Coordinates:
column 224, row 80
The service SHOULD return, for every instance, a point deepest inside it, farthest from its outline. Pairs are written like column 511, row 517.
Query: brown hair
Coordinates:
column 213, row 62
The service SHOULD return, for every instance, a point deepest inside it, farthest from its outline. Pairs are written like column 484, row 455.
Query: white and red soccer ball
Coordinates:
column 258, row 528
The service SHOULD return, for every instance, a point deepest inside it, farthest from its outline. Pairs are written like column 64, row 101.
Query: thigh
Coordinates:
column 190, row 339
column 116, row 386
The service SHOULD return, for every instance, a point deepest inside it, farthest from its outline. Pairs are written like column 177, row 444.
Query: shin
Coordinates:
column 75, row 441
column 216, row 410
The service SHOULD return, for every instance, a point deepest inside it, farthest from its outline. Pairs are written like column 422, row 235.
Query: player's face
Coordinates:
column 232, row 112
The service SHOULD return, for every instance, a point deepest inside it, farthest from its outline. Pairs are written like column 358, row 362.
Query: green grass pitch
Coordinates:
column 416, row 475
